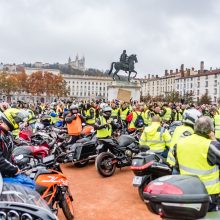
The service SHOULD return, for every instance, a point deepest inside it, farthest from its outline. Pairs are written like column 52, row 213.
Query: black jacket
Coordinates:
column 6, row 148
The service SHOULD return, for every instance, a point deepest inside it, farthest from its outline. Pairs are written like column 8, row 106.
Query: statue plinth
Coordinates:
column 124, row 91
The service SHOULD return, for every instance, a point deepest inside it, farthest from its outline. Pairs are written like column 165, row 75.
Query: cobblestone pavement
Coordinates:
column 97, row 198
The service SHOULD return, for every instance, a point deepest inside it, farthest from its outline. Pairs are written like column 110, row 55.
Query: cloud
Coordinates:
column 163, row 33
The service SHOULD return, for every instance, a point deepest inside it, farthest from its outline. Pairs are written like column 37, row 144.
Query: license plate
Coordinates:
column 137, row 180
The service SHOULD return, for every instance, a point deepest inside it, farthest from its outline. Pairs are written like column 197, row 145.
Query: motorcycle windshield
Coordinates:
column 18, row 193
column 22, row 199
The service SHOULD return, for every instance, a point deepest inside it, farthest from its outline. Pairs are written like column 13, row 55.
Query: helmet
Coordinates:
column 107, row 111
column 13, row 116
column 190, row 116
column 74, row 108
column 87, row 130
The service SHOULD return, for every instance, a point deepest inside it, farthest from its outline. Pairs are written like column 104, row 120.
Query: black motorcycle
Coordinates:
column 115, row 154
column 148, row 166
column 83, row 151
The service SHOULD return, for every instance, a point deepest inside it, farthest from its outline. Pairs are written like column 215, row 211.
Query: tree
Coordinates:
column 188, row 97
column 205, row 99
column 173, row 97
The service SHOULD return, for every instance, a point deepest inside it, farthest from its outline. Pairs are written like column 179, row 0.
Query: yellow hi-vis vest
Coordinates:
column 192, row 155
column 217, row 126
column 167, row 115
column 155, row 137
column 134, row 117
column 90, row 121
column 123, row 113
column 147, row 117
column 179, row 133
column 115, row 113
column 178, row 116
column 105, row 132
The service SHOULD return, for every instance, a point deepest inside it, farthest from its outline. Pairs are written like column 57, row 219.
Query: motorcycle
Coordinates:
column 115, row 153
column 176, row 197
column 84, row 149
column 18, row 202
column 50, row 181
column 148, row 166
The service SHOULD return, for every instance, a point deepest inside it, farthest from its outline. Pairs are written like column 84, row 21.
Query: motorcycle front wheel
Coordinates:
column 67, row 207
column 104, row 164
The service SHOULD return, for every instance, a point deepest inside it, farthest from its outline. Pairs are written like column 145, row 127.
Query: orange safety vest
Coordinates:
column 75, row 127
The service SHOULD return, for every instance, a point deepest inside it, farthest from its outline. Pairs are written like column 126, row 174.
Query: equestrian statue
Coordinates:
column 126, row 64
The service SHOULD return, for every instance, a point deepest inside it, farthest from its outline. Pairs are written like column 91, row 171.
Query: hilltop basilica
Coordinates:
column 77, row 63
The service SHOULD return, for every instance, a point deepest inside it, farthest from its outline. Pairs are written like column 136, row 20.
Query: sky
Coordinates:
column 162, row 33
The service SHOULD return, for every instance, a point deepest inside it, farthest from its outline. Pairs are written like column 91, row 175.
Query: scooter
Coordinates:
column 148, row 166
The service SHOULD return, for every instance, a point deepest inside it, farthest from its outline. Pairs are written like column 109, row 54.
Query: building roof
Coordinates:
column 206, row 73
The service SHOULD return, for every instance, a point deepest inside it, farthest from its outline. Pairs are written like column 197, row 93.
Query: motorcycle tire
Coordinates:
column 67, row 207
column 81, row 164
column 101, row 168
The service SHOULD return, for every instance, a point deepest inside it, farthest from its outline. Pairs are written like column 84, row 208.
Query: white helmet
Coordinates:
column 190, row 116
column 107, row 111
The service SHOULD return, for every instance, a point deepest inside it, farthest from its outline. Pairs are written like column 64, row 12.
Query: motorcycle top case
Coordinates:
column 177, row 197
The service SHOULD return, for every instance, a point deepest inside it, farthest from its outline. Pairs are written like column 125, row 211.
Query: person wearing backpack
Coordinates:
column 156, row 138
column 137, row 121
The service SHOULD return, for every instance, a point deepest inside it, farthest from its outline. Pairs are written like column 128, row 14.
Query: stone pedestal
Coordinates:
column 124, row 90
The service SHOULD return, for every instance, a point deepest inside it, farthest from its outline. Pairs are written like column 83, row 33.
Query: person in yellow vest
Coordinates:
column 177, row 114
column 156, row 138
column 199, row 154
column 190, row 116
column 147, row 115
column 166, row 114
column 124, row 112
column 137, row 120
column 115, row 111
column 216, row 121
column 89, row 113
column 104, row 123
column 74, row 122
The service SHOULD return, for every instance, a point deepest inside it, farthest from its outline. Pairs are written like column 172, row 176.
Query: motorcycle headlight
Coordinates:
column 2, row 215
column 13, row 215
column 26, row 216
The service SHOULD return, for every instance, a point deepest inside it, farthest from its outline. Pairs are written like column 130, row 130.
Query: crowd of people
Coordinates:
column 193, row 148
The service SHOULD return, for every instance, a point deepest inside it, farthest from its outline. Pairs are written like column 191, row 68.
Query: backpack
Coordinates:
column 139, row 122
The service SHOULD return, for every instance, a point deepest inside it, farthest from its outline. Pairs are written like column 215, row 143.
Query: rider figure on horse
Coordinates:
column 124, row 59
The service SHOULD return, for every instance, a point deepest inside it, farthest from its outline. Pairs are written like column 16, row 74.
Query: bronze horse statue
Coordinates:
column 128, row 66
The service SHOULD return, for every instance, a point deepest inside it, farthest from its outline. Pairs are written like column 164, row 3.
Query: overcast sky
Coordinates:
column 163, row 33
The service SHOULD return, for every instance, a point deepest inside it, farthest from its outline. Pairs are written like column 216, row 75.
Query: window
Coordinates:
column 197, row 92
column 215, row 76
column 215, row 91
column 215, row 99
column 206, row 77
column 198, row 84
column 206, row 91
column 206, row 83
column 191, row 85
column 198, row 78
column 215, row 84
